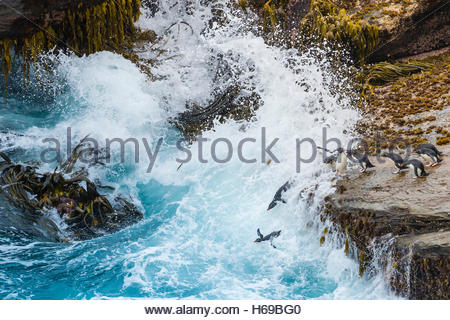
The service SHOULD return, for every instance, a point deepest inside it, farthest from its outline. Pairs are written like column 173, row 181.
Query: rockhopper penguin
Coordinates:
column 398, row 161
column 417, row 166
column 429, row 155
column 268, row 237
column 278, row 195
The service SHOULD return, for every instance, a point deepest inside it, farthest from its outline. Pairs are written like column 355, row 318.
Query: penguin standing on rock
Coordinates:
column 336, row 162
column 268, row 237
column 398, row 161
column 341, row 162
column 417, row 166
column 429, row 146
column 429, row 154
column 362, row 158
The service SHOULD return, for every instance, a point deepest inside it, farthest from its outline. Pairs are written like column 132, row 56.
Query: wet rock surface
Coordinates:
column 411, row 214
column 406, row 28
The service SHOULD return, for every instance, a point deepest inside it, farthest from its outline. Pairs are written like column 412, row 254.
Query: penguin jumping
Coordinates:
column 398, row 161
column 429, row 154
column 278, row 195
column 268, row 237
column 362, row 158
column 417, row 166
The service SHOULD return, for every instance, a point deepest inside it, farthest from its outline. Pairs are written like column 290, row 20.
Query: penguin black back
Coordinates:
column 362, row 158
column 429, row 154
column 418, row 167
column 269, row 237
column 278, row 195
column 397, row 159
column 428, row 146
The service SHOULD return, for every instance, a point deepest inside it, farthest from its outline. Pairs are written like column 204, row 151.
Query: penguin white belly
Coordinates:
column 411, row 166
column 341, row 164
column 427, row 158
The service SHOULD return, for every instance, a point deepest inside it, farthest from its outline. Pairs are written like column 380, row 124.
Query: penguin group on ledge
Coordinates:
column 338, row 162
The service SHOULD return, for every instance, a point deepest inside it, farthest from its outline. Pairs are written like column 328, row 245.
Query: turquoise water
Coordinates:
column 196, row 240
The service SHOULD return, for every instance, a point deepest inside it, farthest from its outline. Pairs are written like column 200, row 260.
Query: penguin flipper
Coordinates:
column 259, row 233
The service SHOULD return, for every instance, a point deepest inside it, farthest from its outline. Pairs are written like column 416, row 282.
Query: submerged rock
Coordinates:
column 233, row 103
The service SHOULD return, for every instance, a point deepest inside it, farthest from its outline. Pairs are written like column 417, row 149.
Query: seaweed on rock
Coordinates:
column 86, row 212
column 384, row 72
column 325, row 21
column 85, row 29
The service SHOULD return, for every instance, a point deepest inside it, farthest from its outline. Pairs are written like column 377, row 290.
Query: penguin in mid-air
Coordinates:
column 362, row 158
column 278, row 195
column 429, row 154
column 268, row 237
column 398, row 160
column 417, row 166
column 428, row 146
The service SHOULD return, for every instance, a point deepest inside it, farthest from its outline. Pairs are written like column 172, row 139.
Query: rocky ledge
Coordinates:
column 411, row 215
column 408, row 217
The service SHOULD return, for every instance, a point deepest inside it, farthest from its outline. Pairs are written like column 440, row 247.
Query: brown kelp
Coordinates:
column 231, row 103
column 87, row 213
column 385, row 72
column 326, row 21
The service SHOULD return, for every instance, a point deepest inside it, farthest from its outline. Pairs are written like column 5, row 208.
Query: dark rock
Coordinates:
column 423, row 27
column 295, row 11
column 21, row 18
column 86, row 213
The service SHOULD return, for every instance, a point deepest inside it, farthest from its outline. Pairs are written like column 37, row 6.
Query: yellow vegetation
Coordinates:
column 384, row 72
column 325, row 21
